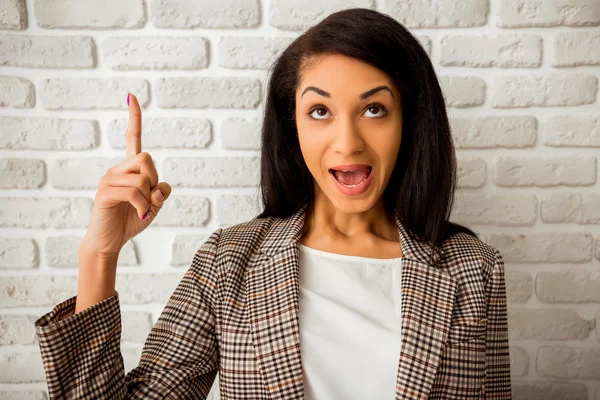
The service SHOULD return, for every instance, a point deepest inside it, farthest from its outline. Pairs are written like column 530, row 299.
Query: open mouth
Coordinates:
column 354, row 184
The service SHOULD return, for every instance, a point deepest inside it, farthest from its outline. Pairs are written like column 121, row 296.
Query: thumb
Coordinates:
column 159, row 195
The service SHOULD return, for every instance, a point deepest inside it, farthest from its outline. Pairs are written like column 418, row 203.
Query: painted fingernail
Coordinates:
column 127, row 98
column 145, row 215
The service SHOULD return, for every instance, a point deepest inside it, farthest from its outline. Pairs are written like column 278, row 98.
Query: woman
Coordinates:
column 351, row 283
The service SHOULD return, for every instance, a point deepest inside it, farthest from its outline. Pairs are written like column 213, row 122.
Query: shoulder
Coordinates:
column 235, row 245
column 228, row 250
column 245, row 236
column 466, row 255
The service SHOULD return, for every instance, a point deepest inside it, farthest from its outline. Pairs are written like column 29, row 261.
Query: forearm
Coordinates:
column 96, row 280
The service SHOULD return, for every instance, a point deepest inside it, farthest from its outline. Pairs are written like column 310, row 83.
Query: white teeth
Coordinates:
column 352, row 186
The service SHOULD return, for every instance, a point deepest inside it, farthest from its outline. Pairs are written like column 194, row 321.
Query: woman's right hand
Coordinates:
column 126, row 193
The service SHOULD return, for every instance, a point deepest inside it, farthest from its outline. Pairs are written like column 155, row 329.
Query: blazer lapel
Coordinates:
column 272, row 292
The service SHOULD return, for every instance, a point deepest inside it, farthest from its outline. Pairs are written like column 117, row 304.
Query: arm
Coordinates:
column 81, row 352
column 497, row 369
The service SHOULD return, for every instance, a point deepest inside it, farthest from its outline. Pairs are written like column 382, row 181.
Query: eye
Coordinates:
column 312, row 110
column 377, row 106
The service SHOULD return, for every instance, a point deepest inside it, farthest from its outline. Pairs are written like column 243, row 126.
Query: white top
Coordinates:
column 349, row 325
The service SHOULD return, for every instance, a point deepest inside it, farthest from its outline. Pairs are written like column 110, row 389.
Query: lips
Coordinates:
column 349, row 184
column 351, row 167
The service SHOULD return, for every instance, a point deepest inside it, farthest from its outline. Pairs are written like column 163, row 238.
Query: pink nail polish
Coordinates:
column 145, row 215
column 127, row 99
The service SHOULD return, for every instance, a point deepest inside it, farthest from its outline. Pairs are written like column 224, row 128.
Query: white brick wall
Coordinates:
column 520, row 79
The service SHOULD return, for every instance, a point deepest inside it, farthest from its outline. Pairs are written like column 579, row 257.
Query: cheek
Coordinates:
column 310, row 151
column 388, row 153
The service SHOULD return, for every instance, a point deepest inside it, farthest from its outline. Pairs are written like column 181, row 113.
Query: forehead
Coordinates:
column 339, row 72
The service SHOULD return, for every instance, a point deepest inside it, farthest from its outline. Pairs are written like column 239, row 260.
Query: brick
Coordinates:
column 235, row 209
column 544, row 247
column 549, row 391
column 45, row 212
column 425, row 42
column 597, row 325
column 572, row 49
column 298, row 16
column 560, row 89
column 97, row 14
column 92, row 93
column 471, row 172
column 131, row 357
column 568, row 363
column 147, row 288
column 547, row 324
column 183, row 133
column 63, row 251
column 205, row 13
column 531, row 13
column 48, row 291
column 217, row 92
column 183, row 211
column 250, row 52
column 568, row 286
column 17, row 329
column 16, row 92
column 519, row 361
column 463, row 91
column 501, row 210
column 155, row 52
column 515, row 131
column 574, row 170
column 211, row 172
column 22, row 173
column 570, row 130
column 185, row 247
column 65, row 173
column 23, row 395
column 519, row 286
column 18, row 253
column 21, row 367
column 32, row 51
column 36, row 291
column 502, row 51
column 439, row 14
column 25, row 133
column 578, row 208
column 136, row 326
column 241, row 133
column 13, row 16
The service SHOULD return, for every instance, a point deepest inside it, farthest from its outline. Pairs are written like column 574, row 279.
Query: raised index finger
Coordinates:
column 134, row 128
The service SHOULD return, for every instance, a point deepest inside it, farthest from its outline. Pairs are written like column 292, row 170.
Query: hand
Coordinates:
column 128, row 196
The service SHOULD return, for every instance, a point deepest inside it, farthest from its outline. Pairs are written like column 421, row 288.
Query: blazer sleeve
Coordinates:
column 497, row 368
column 81, row 352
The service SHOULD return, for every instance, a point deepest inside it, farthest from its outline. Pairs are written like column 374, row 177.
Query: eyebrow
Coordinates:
column 362, row 96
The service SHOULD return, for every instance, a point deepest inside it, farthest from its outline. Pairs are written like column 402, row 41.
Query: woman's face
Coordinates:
column 337, row 126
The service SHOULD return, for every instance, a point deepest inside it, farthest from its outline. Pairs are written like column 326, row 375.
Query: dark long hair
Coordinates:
column 420, row 191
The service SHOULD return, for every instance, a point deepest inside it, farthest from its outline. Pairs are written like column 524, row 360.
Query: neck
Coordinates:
column 326, row 223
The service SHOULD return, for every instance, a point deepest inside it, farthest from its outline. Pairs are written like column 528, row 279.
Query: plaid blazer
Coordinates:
column 235, row 312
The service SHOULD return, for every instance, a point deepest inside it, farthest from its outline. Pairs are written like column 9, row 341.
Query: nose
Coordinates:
column 347, row 137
